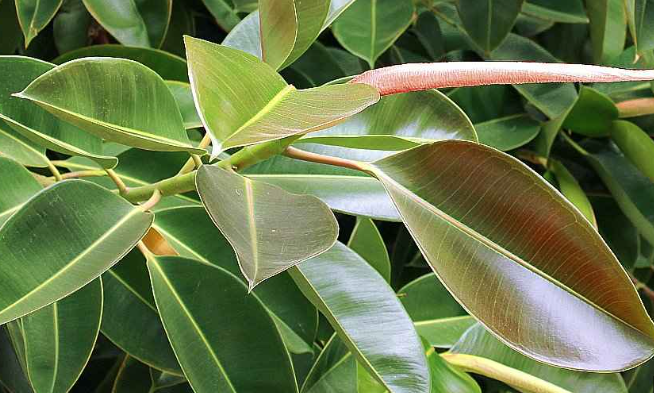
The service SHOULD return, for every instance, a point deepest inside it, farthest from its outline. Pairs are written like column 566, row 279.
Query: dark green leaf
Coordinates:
column 488, row 22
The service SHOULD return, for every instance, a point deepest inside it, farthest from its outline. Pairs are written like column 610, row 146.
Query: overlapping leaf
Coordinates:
column 508, row 133
column 100, row 228
column 366, row 241
column 635, row 144
column 20, row 149
column 115, row 99
column 501, row 239
column 34, row 15
column 243, row 101
column 270, row 229
column 608, row 28
column 488, row 22
column 17, row 186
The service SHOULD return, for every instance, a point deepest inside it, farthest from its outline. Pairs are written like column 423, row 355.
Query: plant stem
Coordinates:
column 122, row 188
column 512, row 377
column 54, row 170
column 321, row 159
column 89, row 173
column 636, row 107
column 191, row 163
column 152, row 202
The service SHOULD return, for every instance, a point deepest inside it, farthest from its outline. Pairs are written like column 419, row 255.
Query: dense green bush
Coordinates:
column 320, row 196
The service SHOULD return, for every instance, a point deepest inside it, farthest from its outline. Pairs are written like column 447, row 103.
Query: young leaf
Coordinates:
column 270, row 229
column 369, row 244
column 436, row 315
column 100, row 228
column 211, row 332
column 59, row 339
column 17, row 186
column 477, row 341
column 133, row 22
column 284, row 39
column 34, row 15
column 128, row 295
column 36, row 124
column 243, row 101
column 369, row 27
column 136, row 108
column 488, row 22
column 495, row 232
column 367, row 315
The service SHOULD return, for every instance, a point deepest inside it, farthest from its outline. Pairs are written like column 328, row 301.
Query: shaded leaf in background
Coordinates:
column 136, row 108
column 36, row 124
column 592, row 114
column 640, row 14
column 270, row 229
column 366, row 241
column 226, row 17
column 508, row 133
column 15, row 146
column 608, row 28
column 367, row 315
column 246, row 36
column 12, row 375
column 369, row 27
column 210, row 344
column 488, row 22
column 59, row 339
column 478, row 342
column 100, row 228
column 136, row 377
column 436, row 315
column 71, row 25
column 446, row 378
column 34, row 15
column 184, row 98
column 563, row 11
column 182, row 22
column 636, row 145
column 479, row 208
column 616, row 229
column 243, row 101
column 17, row 186
column 571, row 189
column 9, row 28
column 133, row 22
column 167, row 65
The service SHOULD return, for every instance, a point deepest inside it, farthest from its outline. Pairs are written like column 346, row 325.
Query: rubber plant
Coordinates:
column 340, row 196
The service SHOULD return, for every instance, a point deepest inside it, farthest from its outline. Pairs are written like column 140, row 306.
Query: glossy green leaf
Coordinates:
column 552, row 99
column 485, row 220
column 563, row 11
column 182, row 22
column 136, row 108
column 508, row 133
column 398, row 122
column 478, row 342
column 36, row 124
column 267, row 226
column 608, row 28
column 640, row 14
column 128, row 296
column 15, row 146
column 571, row 189
column 70, row 26
column 184, row 98
column 592, row 115
column 333, row 369
column 17, row 186
column 366, row 241
column 284, row 38
column 100, row 228
column 630, row 188
column 246, row 36
column 191, row 233
column 243, row 101
column 435, row 314
column 225, row 15
column 369, row 27
column 168, row 66
column 616, row 229
column 636, row 145
column 446, row 378
column 34, row 15
column 210, row 344
column 351, row 294
column 59, row 339
column 488, row 22
column 133, row 22
column 136, row 377
column 336, row 8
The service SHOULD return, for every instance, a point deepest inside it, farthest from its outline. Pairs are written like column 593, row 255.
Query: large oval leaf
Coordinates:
column 210, row 333
column 34, row 15
column 243, row 101
column 16, row 187
column 134, row 108
column 59, row 339
column 367, row 315
column 270, row 229
column 128, row 296
column 369, row 27
column 21, row 149
column 502, row 239
column 100, row 228
column 477, row 341
column 191, row 233
column 36, row 124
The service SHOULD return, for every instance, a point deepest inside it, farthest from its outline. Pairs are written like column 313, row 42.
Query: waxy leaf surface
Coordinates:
column 34, row 15
column 367, row 315
column 210, row 333
column 488, row 22
column 116, row 99
column 100, row 228
column 269, row 228
column 21, row 149
column 518, row 256
column 16, row 187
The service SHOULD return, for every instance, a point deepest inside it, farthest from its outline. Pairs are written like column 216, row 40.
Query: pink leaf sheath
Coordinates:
column 422, row 76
